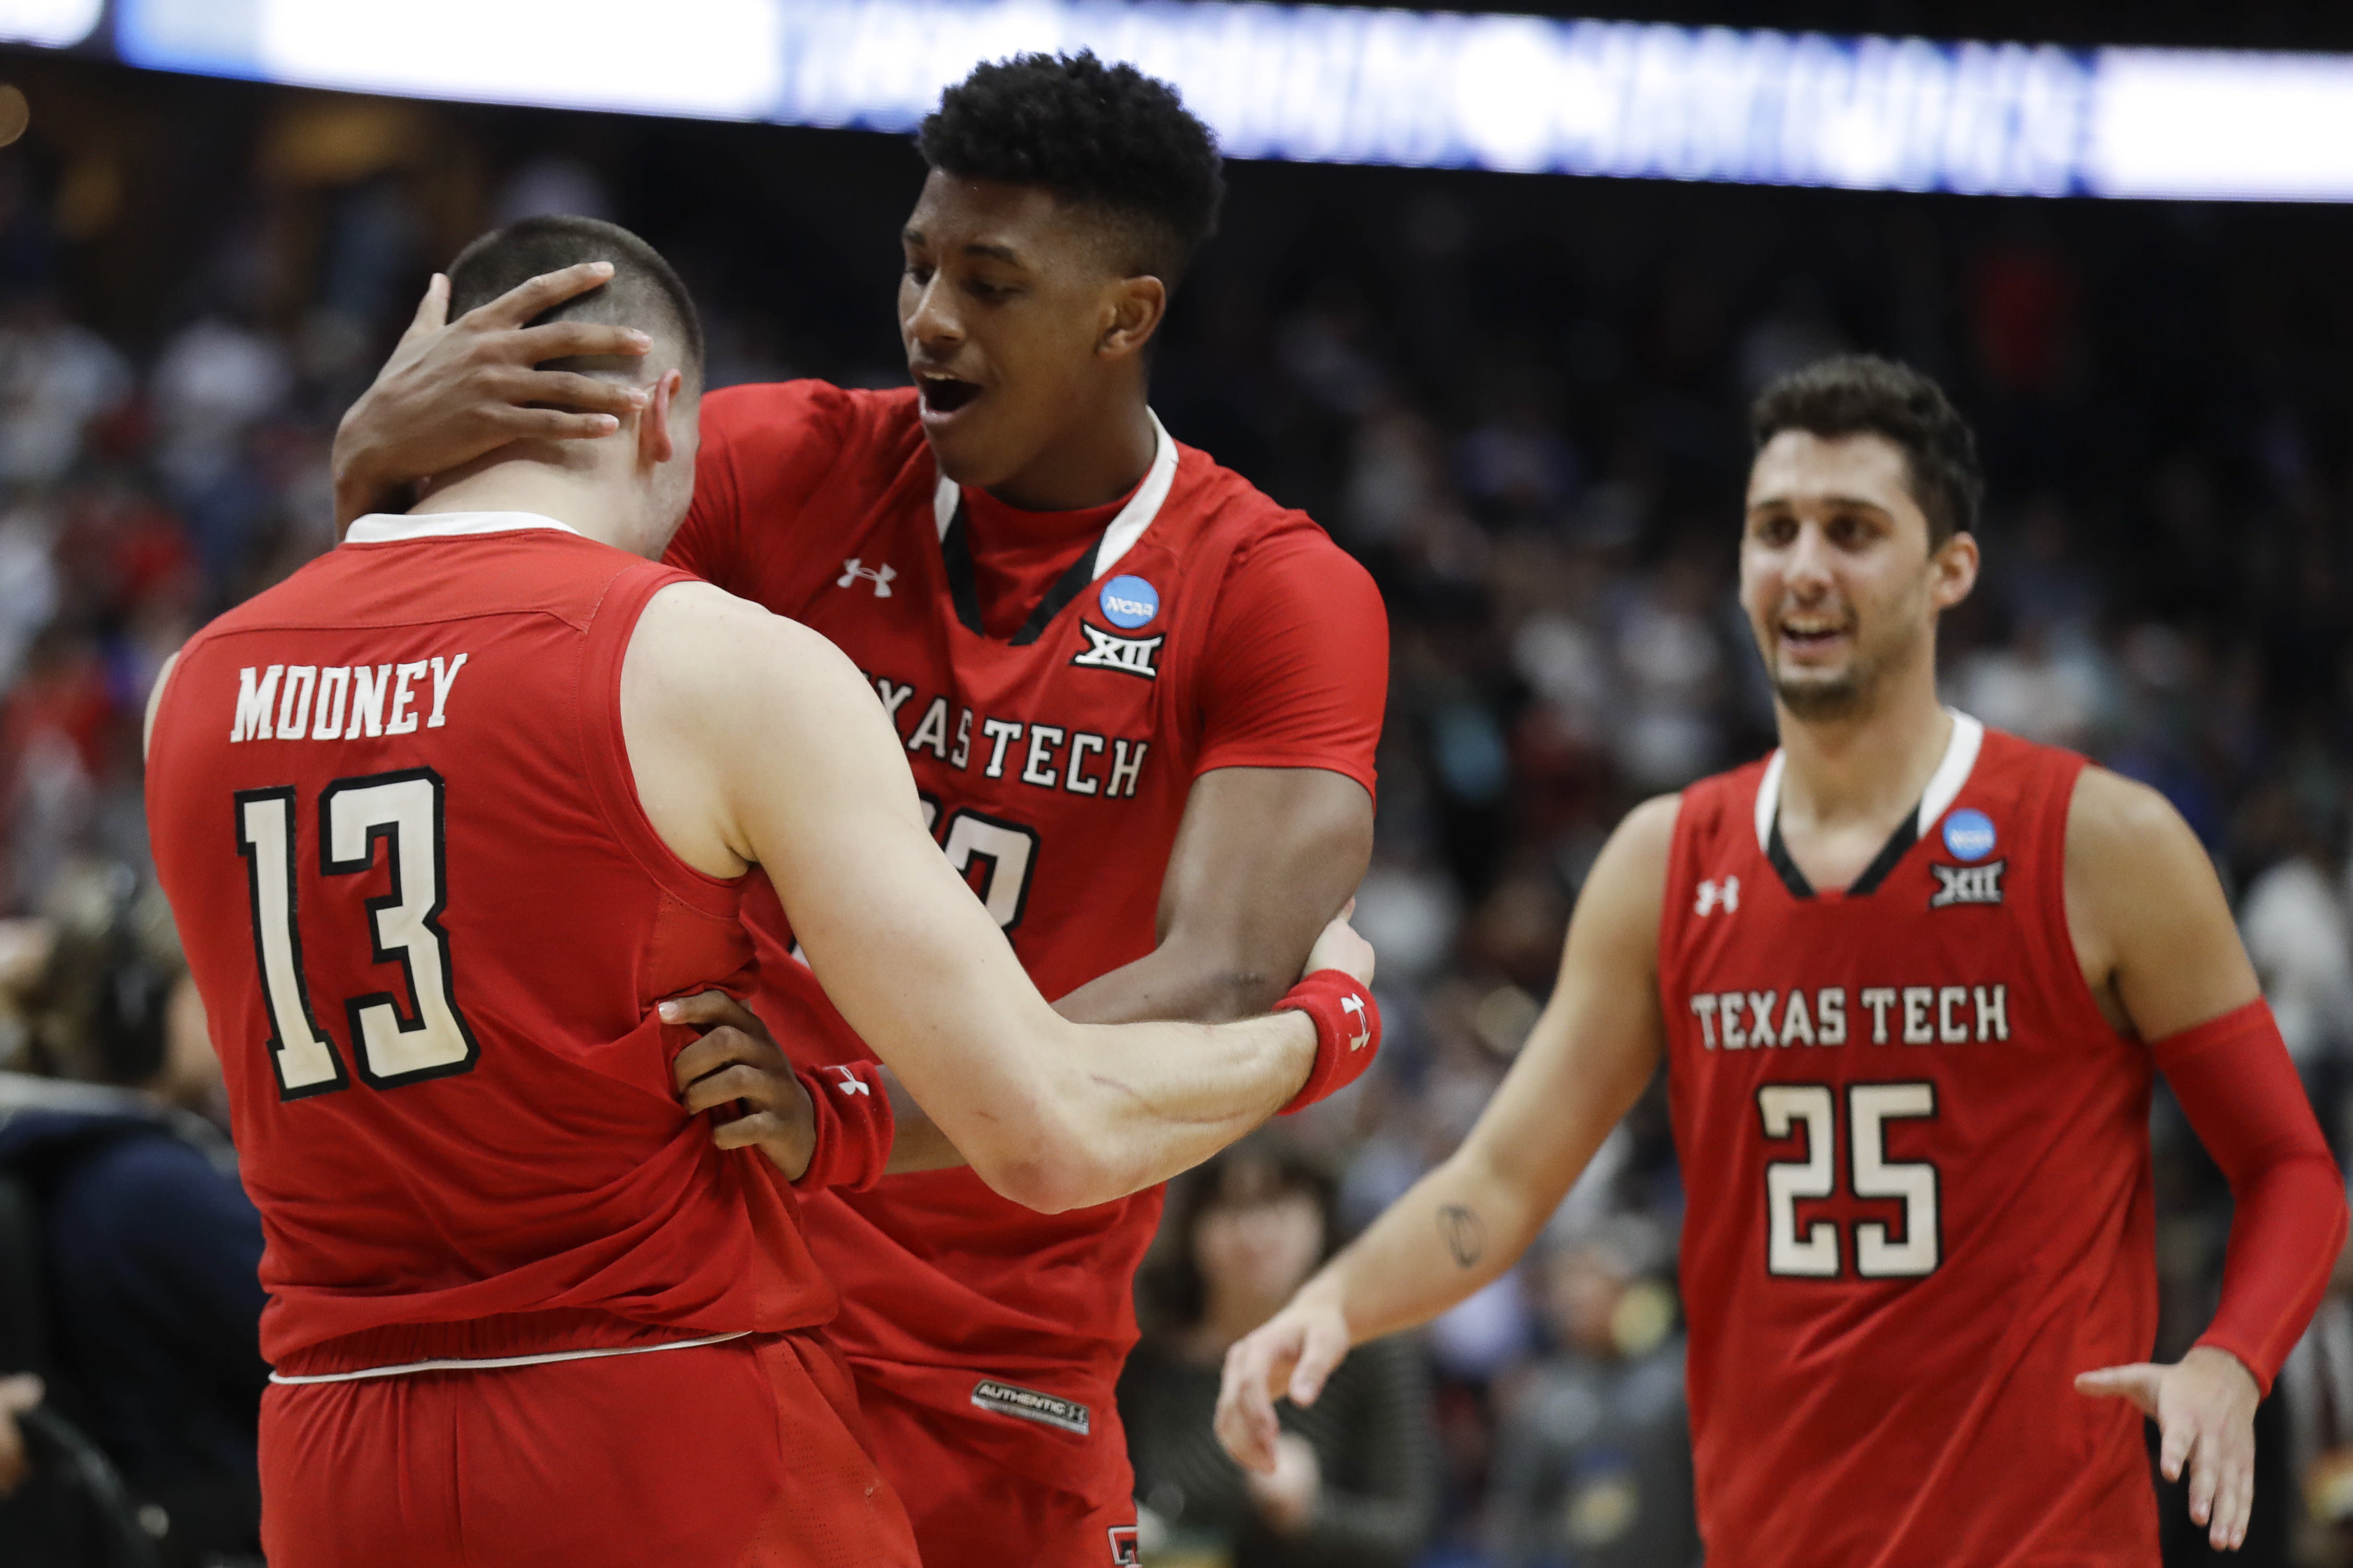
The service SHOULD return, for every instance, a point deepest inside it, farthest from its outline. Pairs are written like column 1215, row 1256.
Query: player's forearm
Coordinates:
column 1153, row 1100
column 1454, row 1231
column 2240, row 1091
column 1180, row 979
column 917, row 1142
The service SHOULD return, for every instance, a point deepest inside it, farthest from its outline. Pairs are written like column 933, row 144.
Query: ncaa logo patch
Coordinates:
column 1129, row 603
column 1969, row 834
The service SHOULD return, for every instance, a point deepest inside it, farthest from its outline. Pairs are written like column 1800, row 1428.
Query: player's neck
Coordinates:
column 1092, row 462
column 1866, row 770
column 587, row 497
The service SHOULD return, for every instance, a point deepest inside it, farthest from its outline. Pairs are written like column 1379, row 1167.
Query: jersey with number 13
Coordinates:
column 1916, row 1165
column 394, row 814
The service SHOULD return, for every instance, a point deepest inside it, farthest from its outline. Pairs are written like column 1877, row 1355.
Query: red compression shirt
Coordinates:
column 1018, row 554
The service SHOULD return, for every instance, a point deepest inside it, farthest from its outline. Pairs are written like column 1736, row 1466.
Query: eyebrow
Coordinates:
column 1851, row 503
column 1005, row 253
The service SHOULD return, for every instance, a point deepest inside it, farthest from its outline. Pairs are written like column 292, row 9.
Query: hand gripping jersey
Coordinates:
column 392, row 811
column 1917, row 1167
column 1207, row 628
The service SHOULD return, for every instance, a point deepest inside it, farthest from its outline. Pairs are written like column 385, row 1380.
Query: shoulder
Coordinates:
column 1275, row 554
column 1638, row 851
column 784, row 415
column 693, row 626
column 2115, row 823
column 1626, row 889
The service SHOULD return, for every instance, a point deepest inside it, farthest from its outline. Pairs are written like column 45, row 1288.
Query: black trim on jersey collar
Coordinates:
column 964, row 582
column 1907, row 834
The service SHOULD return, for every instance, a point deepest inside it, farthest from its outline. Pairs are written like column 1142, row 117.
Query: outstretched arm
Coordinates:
column 2151, row 924
column 1589, row 1059
column 1053, row 1114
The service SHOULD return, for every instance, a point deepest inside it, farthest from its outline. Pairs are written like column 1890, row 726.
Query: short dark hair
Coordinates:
column 643, row 292
column 1106, row 137
column 1850, row 394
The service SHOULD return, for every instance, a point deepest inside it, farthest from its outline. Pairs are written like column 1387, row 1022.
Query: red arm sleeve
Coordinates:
column 2241, row 1093
column 1310, row 679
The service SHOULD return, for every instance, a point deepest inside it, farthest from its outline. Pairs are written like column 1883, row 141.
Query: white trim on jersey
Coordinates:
column 1944, row 784
column 385, row 527
column 1132, row 519
column 490, row 1364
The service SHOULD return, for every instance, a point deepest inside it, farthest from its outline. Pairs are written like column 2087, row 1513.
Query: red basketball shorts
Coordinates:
column 744, row 1453
column 970, row 1511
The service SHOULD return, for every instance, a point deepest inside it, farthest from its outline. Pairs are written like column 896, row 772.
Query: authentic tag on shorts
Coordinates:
column 1030, row 1405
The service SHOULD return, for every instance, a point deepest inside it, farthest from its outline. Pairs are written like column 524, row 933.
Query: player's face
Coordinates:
column 1840, row 586
column 1013, row 316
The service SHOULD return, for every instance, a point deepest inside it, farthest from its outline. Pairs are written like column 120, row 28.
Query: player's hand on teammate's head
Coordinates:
column 1339, row 947
column 2204, row 1407
column 1295, row 1351
column 19, row 1392
column 736, row 1062
column 455, row 390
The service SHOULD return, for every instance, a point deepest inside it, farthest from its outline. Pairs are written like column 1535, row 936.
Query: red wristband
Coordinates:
column 854, row 1125
column 1347, row 1032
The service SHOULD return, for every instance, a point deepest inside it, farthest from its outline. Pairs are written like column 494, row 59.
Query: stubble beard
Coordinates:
column 1852, row 693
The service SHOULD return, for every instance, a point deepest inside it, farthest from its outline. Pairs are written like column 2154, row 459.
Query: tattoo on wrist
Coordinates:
column 1465, row 1233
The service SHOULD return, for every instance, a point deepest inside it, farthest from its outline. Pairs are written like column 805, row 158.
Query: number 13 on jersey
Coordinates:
column 397, row 1039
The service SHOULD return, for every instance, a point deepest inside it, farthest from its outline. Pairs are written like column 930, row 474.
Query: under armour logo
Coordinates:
column 1364, row 1035
column 1711, row 894
column 879, row 576
column 851, row 1082
column 1126, row 1549
column 1129, row 656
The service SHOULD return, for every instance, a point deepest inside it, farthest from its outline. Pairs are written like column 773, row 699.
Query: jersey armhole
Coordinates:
column 2065, row 773
column 613, row 782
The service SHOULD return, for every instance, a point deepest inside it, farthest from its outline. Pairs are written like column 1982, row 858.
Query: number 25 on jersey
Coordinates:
column 395, row 1040
column 1810, row 1111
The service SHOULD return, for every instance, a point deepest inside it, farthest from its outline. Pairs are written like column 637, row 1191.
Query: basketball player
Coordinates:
column 442, row 818
column 1912, row 979
column 1140, row 701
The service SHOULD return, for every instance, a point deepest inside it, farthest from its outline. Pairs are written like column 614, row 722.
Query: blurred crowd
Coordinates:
column 1520, row 402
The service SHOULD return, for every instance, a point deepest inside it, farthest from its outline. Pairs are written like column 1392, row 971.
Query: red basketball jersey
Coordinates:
column 1055, row 764
column 393, row 813
column 1916, row 1165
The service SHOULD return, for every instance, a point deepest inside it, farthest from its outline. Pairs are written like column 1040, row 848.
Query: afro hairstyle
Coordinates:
column 1104, row 137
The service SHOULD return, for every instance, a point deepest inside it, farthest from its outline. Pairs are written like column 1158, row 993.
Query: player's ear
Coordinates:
column 1955, row 566
column 657, row 437
column 1134, row 310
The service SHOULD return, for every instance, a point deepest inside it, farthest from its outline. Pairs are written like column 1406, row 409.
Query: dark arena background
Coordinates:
column 1510, row 382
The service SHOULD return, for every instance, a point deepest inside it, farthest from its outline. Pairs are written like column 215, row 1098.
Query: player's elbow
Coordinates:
column 1036, row 1151
column 1049, row 1174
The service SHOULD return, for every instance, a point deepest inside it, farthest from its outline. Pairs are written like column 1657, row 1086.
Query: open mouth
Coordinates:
column 1807, row 636
column 944, row 394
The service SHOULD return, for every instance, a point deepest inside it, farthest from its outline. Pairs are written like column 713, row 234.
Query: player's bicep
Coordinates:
column 2143, row 896
column 1599, row 1040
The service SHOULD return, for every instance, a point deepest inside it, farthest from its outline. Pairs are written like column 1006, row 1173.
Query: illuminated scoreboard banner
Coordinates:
column 1340, row 84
